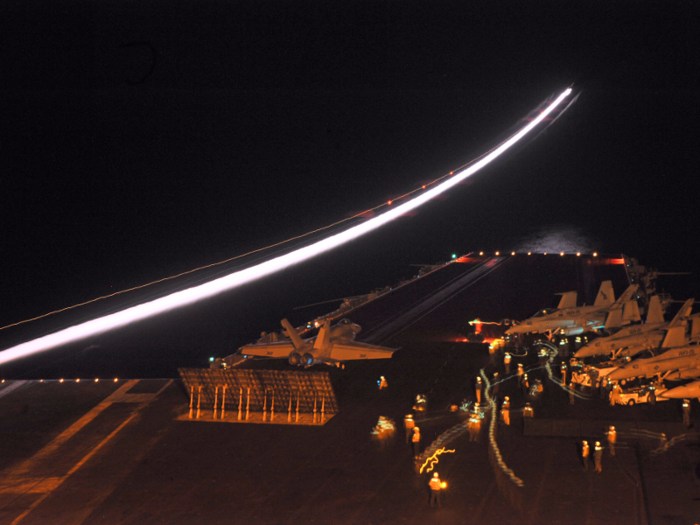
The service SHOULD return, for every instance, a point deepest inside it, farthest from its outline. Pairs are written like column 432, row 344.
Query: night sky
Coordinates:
column 143, row 139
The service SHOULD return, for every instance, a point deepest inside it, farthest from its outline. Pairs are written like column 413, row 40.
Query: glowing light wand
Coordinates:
column 228, row 282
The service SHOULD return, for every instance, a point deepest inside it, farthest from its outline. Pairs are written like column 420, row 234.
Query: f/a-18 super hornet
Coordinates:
column 685, row 360
column 680, row 361
column 634, row 339
column 568, row 319
column 332, row 346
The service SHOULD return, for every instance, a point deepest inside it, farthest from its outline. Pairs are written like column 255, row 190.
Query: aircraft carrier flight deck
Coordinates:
column 284, row 444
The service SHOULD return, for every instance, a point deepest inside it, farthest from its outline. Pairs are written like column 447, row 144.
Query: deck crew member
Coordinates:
column 492, row 355
column 474, row 426
column 436, row 487
column 612, row 439
column 521, row 373
column 686, row 413
column 563, row 374
column 528, row 411
column 598, row 456
column 478, row 387
column 615, row 394
column 505, row 411
column 585, row 455
column 416, row 442
column 383, row 383
column 409, row 424
column 496, row 384
column 506, row 363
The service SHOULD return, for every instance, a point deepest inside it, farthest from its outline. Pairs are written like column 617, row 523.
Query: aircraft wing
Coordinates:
column 352, row 350
column 281, row 349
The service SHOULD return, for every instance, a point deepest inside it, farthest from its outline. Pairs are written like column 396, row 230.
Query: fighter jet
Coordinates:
column 332, row 346
column 683, row 359
column 631, row 340
column 671, row 337
column 568, row 319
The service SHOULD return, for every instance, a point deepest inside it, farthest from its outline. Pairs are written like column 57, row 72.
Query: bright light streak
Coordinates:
column 433, row 460
column 241, row 277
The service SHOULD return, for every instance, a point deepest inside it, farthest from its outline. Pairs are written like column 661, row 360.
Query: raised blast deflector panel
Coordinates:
column 308, row 387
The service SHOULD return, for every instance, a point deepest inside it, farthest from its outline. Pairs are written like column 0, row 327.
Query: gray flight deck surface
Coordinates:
column 115, row 452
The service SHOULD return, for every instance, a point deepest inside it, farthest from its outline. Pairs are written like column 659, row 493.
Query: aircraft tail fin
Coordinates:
column 324, row 336
column 654, row 312
column 630, row 312
column 568, row 300
column 675, row 336
column 682, row 313
column 292, row 334
column 695, row 327
column 606, row 295
column 614, row 319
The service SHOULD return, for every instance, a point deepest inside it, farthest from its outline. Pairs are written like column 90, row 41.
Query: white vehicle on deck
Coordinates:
column 642, row 394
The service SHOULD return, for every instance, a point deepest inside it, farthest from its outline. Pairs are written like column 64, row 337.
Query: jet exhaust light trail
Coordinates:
column 241, row 277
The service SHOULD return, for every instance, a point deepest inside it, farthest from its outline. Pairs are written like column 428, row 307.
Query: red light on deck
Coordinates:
column 423, row 186
column 614, row 261
column 389, row 203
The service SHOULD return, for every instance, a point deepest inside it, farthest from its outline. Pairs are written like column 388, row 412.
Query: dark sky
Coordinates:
column 143, row 139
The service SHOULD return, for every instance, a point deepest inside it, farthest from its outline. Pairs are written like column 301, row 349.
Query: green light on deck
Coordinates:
column 454, row 255
column 211, row 359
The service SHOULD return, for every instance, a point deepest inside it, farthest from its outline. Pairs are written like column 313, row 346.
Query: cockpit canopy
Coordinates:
column 545, row 312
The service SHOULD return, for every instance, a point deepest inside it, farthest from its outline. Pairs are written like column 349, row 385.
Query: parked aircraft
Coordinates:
column 568, row 319
column 332, row 346
column 631, row 340
column 684, row 359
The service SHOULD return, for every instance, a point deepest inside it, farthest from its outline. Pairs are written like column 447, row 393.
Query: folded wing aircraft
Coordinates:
column 568, row 319
column 332, row 346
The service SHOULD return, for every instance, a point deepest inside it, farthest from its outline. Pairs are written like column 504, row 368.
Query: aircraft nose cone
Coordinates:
column 682, row 392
